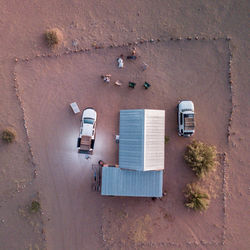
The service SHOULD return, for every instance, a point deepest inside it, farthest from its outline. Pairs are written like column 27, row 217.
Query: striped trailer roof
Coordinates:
column 141, row 143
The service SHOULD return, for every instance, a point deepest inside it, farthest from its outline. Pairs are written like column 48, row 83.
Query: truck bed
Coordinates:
column 189, row 123
column 85, row 143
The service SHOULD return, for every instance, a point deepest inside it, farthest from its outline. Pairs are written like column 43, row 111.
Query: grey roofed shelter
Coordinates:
column 141, row 155
column 131, row 140
column 119, row 182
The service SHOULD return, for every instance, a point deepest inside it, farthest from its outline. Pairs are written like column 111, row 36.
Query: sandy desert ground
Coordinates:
column 211, row 69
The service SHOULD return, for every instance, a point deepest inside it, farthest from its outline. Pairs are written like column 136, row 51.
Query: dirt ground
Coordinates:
column 211, row 69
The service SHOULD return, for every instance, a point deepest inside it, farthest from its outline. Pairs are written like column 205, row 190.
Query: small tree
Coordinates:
column 196, row 198
column 53, row 37
column 200, row 157
column 9, row 135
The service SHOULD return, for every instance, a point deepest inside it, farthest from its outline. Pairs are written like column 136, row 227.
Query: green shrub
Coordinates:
column 200, row 157
column 53, row 37
column 35, row 206
column 9, row 135
column 166, row 139
column 196, row 198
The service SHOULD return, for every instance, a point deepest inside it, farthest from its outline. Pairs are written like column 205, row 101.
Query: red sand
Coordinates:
column 75, row 217
column 177, row 70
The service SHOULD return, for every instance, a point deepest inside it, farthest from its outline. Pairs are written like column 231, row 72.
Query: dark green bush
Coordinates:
column 35, row 206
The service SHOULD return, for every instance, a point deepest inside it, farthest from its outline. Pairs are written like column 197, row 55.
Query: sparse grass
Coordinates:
column 53, row 37
column 35, row 206
column 166, row 139
column 201, row 158
column 122, row 214
column 141, row 229
column 196, row 198
column 9, row 135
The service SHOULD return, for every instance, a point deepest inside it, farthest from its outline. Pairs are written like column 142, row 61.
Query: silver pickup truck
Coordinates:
column 186, row 122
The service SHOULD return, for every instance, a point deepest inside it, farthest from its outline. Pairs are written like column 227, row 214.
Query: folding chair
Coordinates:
column 132, row 85
column 146, row 85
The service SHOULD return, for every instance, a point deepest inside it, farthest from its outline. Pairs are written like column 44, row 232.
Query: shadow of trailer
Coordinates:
column 97, row 178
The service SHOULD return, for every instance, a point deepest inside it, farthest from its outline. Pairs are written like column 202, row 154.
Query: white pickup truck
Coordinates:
column 186, row 123
column 86, row 138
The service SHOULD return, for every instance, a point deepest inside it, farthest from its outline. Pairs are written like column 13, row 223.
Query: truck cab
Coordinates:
column 186, row 122
column 86, row 139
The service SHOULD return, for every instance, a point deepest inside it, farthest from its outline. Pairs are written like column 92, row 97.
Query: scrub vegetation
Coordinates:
column 166, row 139
column 196, row 198
column 53, row 37
column 201, row 158
column 35, row 206
column 9, row 135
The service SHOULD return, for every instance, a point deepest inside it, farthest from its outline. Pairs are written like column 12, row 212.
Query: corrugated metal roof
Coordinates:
column 120, row 182
column 131, row 142
column 154, row 132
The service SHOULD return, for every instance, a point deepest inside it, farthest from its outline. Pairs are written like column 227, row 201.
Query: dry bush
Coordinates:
column 9, row 135
column 53, row 37
column 200, row 157
column 196, row 198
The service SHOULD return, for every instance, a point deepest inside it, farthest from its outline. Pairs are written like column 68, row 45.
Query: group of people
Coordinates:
column 120, row 60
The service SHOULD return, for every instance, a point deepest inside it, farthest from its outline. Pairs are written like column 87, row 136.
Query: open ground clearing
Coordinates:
column 110, row 22
column 75, row 216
